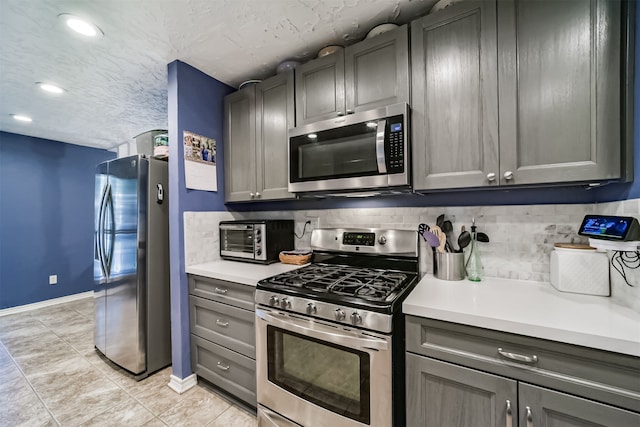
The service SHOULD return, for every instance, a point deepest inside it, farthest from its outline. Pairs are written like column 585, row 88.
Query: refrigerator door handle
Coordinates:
column 100, row 233
column 112, row 231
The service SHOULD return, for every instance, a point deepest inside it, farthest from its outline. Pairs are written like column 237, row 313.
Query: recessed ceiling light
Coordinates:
column 80, row 25
column 22, row 118
column 48, row 87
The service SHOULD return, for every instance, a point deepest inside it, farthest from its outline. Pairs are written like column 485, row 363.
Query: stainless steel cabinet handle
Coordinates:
column 222, row 323
column 252, row 195
column 339, row 113
column 491, row 177
column 518, row 357
column 221, row 290
column 529, row 417
column 350, row 111
column 509, row 414
column 222, row 366
column 257, row 194
column 508, row 175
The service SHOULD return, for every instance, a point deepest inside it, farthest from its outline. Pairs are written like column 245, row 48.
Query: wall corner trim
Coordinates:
column 180, row 385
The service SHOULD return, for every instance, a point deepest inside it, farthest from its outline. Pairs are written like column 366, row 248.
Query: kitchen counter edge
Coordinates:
column 239, row 272
column 534, row 309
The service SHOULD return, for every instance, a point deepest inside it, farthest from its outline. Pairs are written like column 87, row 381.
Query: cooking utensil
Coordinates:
column 441, row 237
column 482, row 237
column 431, row 239
column 440, row 220
column 447, row 228
column 463, row 240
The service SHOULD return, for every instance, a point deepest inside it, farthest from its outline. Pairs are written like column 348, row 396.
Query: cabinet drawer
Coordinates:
column 229, row 326
column 231, row 293
column 595, row 374
column 232, row 372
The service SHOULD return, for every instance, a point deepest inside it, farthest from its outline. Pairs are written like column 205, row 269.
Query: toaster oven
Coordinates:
column 258, row 241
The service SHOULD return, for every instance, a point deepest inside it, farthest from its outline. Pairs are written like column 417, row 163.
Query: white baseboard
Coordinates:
column 46, row 303
column 180, row 385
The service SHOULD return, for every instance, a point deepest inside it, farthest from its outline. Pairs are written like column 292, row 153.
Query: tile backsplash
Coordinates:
column 522, row 236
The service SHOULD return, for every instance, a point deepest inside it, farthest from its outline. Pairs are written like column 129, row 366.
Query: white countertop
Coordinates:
column 529, row 308
column 239, row 272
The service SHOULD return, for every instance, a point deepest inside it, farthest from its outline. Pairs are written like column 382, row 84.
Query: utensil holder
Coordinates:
column 448, row 265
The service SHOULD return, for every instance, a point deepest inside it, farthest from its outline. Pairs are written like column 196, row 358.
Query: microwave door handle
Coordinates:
column 380, row 157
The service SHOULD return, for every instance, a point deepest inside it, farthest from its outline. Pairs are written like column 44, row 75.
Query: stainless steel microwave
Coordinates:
column 259, row 241
column 367, row 150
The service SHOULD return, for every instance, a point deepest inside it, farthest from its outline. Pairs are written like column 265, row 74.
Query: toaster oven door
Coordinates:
column 237, row 241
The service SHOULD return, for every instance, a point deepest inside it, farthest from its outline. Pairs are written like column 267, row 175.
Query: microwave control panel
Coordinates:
column 394, row 150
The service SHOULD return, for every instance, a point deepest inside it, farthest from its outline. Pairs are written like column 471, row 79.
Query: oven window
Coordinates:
column 328, row 375
column 238, row 240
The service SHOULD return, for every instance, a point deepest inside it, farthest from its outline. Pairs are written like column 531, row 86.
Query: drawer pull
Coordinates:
column 529, row 417
column 509, row 414
column 222, row 366
column 222, row 291
column 222, row 323
column 518, row 357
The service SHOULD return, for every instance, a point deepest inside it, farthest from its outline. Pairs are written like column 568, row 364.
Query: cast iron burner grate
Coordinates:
column 366, row 283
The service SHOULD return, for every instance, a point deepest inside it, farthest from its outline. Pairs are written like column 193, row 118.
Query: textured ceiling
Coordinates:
column 116, row 85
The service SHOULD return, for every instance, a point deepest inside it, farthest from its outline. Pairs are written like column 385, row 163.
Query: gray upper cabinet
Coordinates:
column 455, row 97
column 320, row 89
column 559, row 77
column 517, row 92
column 366, row 75
column 377, row 71
column 258, row 119
column 239, row 145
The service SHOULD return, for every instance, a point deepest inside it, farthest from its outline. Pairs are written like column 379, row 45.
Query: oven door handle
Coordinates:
column 326, row 333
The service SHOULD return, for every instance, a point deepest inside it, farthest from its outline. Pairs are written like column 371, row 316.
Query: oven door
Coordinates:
column 318, row 374
column 237, row 240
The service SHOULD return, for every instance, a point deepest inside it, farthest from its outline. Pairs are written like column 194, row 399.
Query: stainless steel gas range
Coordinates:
column 330, row 335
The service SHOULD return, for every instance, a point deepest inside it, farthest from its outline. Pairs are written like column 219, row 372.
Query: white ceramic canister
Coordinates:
column 580, row 269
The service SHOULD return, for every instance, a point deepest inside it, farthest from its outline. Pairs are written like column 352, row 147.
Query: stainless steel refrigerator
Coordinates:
column 131, row 264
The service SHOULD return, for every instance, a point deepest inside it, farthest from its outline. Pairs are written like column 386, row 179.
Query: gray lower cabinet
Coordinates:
column 366, row 75
column 443, row 394
column 222, row 321
column 508, row 93
column 462, row 376
column 257, row 122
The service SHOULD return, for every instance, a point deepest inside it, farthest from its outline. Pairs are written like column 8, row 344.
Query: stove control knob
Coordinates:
column 340, row 314
column 356, row 319
column 382, row 240
column 285, row 303
column 311, row 308
column 274, row 300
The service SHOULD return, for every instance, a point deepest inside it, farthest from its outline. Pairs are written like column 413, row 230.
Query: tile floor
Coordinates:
column 51, row 375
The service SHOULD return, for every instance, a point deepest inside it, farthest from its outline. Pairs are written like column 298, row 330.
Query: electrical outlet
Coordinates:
column 314, row 222
column 53, row 279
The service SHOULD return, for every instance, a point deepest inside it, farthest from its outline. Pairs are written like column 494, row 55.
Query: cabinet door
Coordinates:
column 455, row 97
column 546, row 408
column 320, row 89
column 559, row 90
column 274, row 118
column 377, row 71
column 442, row 394
column 239, row 145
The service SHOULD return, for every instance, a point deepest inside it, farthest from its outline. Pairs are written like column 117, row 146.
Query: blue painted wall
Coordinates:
column 195, row 105
column 46, row 218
